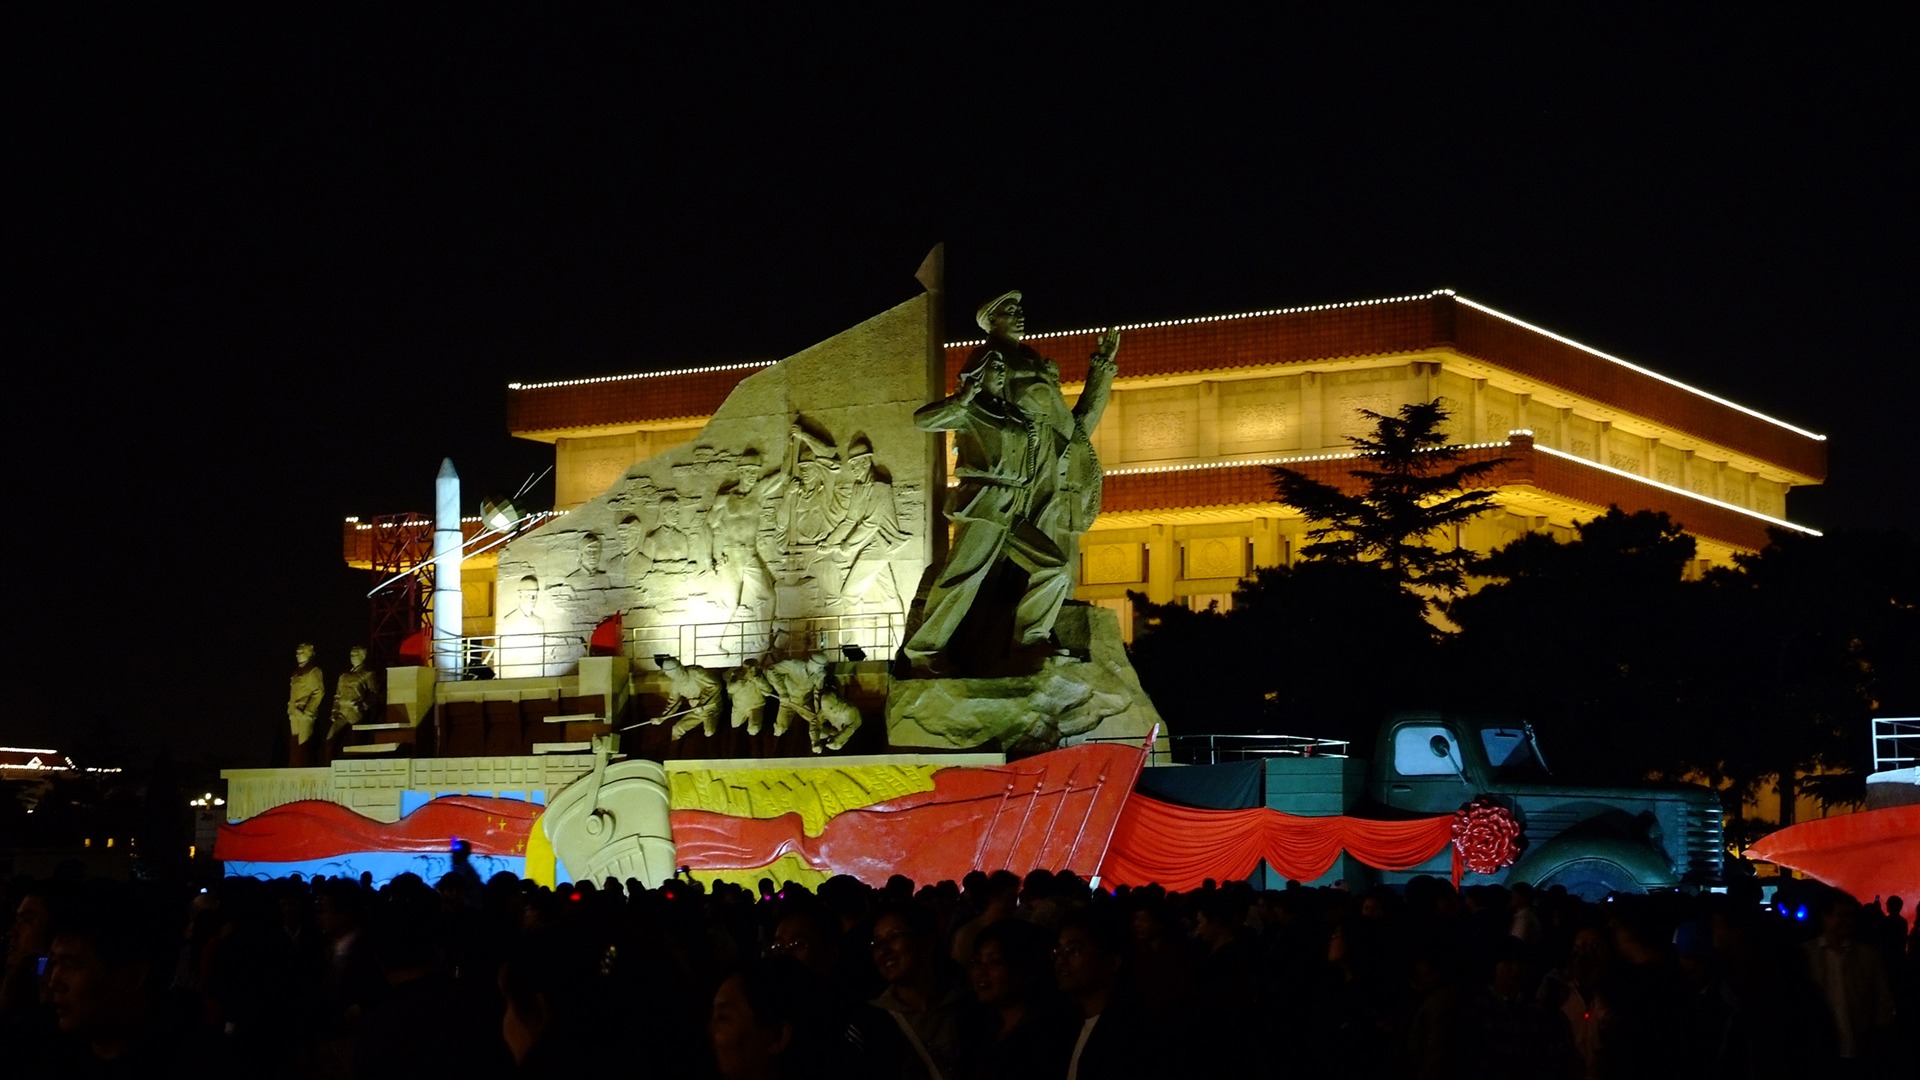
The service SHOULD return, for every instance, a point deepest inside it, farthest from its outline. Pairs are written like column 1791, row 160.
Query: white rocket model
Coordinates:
column 447, row 613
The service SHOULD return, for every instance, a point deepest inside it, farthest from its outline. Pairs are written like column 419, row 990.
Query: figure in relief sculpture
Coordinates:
column 868, row 533
column 747, row 694
column 797, row 683
column 523, row 634
column 695, row 697
column 806, row 692
column 305, row 689
column 815, row 503
column 589, row 574
column 746, row 584
column 672, row 545
column 356, row 696
column 1028, row 480
column 833, row 722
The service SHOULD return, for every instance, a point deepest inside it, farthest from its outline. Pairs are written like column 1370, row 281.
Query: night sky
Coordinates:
column 273, row 263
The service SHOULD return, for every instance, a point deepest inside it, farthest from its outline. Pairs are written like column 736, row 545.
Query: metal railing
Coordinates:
column 1896, row 742
column 727, row 644
column 521, row 655
column 1219, row 749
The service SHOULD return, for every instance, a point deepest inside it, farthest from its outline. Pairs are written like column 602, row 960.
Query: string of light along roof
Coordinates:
column 1198, row 319
column 981, row 341
column 1648, row 372
column 1475, row 305
column 423, row 522
column 1708, row 499
column 1337, row 455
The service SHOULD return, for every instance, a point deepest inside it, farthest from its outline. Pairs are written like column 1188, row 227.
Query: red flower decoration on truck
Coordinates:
column 1486, row 835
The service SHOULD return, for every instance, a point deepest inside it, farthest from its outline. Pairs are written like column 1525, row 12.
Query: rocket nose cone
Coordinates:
column 446, row 470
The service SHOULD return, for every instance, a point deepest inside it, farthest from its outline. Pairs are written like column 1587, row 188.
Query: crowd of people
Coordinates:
column 998, row 977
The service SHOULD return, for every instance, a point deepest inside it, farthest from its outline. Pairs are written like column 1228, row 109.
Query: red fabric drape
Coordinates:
column 1179, row 847
column 1871, row 853
column 312, row 829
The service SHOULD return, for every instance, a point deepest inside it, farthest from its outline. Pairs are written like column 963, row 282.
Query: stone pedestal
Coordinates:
column 1093, row 693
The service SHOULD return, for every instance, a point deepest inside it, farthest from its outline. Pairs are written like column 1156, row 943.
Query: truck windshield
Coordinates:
column 1511, row 753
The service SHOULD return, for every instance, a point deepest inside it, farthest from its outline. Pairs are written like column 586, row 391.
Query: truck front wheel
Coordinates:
column 1590, row 879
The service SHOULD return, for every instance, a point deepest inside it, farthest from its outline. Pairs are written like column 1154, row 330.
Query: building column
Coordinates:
column 1206, row 442
column 1266, row 542
column 1162, row 563
column 1313, row 433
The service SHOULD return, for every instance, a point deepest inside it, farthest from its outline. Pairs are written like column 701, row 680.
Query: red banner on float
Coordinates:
column 1180, row 847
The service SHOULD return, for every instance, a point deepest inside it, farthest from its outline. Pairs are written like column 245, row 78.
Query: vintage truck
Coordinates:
column 1591, row 840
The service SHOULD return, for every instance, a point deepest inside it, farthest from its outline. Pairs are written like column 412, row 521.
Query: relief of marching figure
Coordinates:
column 741, row 524
column 804, row 687
column 842, row 525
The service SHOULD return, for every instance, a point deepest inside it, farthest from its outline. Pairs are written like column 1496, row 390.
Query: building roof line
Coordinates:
column 1631, row 366
column 1267, row 313
column 702, row 369
column 1199, row 319
column 1709, row 500
column 1144, row 470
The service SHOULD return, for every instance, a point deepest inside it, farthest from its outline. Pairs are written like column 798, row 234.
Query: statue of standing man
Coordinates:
column 305, row 687
column 356, row 696
column 1028, row 481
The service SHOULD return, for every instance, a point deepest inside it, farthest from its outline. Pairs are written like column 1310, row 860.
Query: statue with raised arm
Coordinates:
column 1028, row 482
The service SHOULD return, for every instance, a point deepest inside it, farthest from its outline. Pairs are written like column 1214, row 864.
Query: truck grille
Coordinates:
column 1704, row 857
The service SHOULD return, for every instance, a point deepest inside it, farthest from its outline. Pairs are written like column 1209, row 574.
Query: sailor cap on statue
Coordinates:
column 985, row 314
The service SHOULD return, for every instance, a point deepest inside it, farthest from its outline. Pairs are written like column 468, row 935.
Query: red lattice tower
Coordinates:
column 402, row 554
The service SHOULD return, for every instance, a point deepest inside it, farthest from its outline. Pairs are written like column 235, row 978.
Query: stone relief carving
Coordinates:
column 1352, row 420
column 1160, row 431
column 1261, row 420
column 1110, row 564
column 868, row 533
column 1217, row 557
column 795, row 520
column 523, row 633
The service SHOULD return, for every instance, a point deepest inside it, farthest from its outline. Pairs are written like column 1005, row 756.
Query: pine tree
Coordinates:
column 1413, row 486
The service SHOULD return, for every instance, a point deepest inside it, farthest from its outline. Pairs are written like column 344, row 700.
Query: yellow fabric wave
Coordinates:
column 814, row 794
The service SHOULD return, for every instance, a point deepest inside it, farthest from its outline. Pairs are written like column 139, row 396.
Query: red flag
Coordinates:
column 413, row 649
column 606, row 637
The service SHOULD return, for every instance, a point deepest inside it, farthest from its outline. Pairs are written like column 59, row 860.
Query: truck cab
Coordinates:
column 1590, row 840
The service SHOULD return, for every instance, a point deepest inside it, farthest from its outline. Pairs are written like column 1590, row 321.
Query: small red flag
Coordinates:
column 606, row 637
column 413, row 649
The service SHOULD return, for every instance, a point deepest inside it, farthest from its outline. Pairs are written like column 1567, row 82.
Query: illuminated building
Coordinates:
column 1203, row 405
